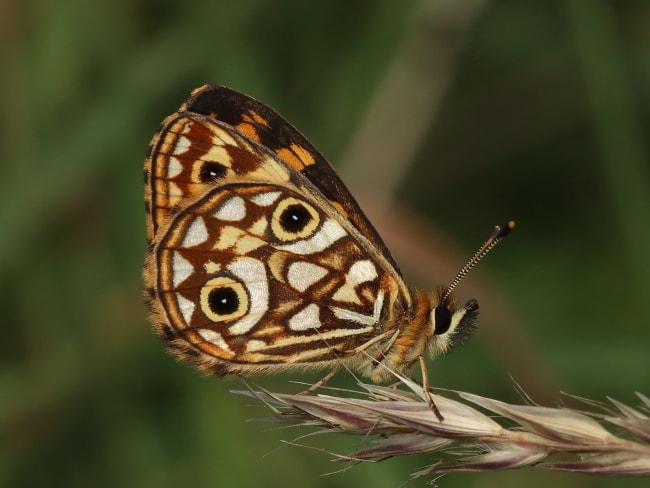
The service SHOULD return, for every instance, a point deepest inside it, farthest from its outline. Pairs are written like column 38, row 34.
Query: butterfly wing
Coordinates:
column 233, row 279
column 259, row 276
column 185, row 156
column 192, row 153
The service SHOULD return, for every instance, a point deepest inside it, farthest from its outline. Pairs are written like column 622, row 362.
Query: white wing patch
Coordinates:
column 186, row 307
column 345, row 314
column 197, row 233
column 253, row 273
column 265, row 199
column 182, row 269
column 360, row 272
column 175, row 167
column 329, row 233
column 301, row 275
column 307, row 318
column 232, row 210
column 214, row 338
column 183, row 144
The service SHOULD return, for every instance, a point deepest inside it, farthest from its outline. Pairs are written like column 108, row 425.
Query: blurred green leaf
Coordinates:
column 544, row 119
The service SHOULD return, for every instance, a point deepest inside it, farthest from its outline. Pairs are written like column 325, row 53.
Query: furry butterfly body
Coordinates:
column 260, row 260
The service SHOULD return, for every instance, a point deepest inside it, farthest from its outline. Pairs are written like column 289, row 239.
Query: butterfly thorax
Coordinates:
column 430, row 326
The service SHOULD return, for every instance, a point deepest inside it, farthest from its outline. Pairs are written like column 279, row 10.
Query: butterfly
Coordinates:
column 260, row 260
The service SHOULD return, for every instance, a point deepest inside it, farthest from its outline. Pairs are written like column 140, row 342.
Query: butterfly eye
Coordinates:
column 223, row 299
column 441, row 320
column 294, row 219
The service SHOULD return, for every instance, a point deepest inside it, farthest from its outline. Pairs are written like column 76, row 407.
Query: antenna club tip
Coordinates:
column 505, row 230
column 497, row 234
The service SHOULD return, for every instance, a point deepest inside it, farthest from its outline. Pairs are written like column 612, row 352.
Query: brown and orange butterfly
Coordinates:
column 260, row 260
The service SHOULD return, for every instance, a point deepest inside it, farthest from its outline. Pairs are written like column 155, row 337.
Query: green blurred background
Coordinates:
column 446, row 117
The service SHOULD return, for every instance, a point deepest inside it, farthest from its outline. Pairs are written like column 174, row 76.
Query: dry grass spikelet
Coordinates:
column 477, row 433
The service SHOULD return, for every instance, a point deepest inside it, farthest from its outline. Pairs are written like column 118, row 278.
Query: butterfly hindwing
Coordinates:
column 255, row 275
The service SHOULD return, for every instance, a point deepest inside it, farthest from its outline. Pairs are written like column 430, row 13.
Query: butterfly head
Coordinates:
column 451, row 324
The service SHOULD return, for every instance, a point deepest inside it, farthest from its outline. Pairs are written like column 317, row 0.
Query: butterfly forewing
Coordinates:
column 190, row 153
column 269, row 129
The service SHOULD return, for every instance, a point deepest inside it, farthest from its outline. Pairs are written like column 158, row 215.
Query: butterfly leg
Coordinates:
column 323, row 381
column 426, row 389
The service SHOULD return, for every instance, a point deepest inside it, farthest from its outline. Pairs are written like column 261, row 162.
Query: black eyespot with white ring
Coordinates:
column 223, row 299
column 294, row 219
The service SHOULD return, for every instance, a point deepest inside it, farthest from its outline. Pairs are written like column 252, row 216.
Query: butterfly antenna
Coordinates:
column 495, row 237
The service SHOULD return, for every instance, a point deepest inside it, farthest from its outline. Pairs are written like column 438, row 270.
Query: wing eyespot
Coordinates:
column 211, row 171
column 224, row 299
column 294, row 219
